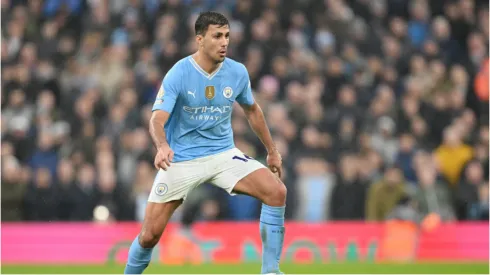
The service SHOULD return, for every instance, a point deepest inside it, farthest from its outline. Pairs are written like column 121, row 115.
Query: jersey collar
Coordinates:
column 203, row 72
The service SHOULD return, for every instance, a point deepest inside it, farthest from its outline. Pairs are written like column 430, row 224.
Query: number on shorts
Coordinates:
column 242, row 159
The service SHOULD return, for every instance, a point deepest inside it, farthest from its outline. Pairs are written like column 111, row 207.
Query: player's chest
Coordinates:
column 215, row 92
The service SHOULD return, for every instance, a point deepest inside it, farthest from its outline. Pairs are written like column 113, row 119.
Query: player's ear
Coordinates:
column 199, row 40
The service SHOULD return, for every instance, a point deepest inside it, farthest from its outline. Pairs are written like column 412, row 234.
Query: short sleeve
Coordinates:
column 245, row 97
column 169, row 91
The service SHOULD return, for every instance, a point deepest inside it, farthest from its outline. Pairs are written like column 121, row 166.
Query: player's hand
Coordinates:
column 163, row 158
column 274, row 161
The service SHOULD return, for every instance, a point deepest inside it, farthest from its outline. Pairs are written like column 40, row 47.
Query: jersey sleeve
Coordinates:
column 169, row 91
column 245, row 96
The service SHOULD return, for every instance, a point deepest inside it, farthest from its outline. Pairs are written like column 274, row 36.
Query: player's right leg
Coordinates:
column 169, row 189
column 156, row 218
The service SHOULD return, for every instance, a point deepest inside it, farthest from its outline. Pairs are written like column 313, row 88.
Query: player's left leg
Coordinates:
column 269, row 189
column 237, row 173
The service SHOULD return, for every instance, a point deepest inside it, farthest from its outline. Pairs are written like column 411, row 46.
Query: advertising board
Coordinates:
column 228, row 242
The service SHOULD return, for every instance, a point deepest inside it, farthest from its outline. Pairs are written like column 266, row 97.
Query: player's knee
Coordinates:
column 278, row 196
column 282, row 192
column 148, row 239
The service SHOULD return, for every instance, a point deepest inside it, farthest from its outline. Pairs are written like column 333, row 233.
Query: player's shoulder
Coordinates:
column 235, row 66
column 176, row 73
column 180, row 65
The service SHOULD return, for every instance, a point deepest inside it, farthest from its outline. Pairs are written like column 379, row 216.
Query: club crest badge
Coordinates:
column 161, row 189
column 227, row 92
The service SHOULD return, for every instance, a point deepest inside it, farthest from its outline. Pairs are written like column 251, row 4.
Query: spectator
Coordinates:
column 13, row 189
column 452, row 155
column 65, row 185
column 85, row 196
column 347, row 138
column 467, row 193
column 479, row 209
column 384, row 141
column 19, row 113
column 370, row 168
column 432, row 195
column 46, row 155
column 349, row 193
column 384, row 195
column 405, row 156
column 114, row 196
column 18, row 118
column 42, row 199
column 418, row 27
column 315, row 184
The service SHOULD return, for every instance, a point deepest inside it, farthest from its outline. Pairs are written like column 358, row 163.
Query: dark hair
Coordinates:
column 209, row 18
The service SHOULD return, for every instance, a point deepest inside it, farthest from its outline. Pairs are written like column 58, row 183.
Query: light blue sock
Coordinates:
column 138, row 258
column 272, row 234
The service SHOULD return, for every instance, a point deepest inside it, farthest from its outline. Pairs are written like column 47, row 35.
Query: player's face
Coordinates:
column 215, row 42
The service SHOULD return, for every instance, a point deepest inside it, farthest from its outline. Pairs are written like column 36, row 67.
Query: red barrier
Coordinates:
column 25, row 243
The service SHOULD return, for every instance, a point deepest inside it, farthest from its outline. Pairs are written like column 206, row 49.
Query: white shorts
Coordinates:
column 224, row 170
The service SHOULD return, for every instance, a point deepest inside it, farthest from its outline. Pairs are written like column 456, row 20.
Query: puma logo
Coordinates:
column 192, row 93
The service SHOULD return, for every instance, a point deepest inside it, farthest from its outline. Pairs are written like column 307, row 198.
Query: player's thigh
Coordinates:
column 240, row 174
column 263, row 185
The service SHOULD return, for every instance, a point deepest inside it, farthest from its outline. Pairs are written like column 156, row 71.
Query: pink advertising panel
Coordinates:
column 228, row 242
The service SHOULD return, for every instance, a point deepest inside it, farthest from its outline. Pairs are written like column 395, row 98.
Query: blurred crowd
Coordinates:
column 379, row 108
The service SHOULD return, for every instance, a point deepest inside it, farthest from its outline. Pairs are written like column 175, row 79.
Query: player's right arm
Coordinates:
column 162, row 108
column 164, row 153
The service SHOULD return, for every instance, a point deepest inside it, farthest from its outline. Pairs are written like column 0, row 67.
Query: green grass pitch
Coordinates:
column 318, row 268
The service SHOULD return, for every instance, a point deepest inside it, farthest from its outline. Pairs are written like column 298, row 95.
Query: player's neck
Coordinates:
column 205, row 63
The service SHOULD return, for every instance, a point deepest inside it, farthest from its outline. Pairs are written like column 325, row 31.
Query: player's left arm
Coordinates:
column 257, row 122
column 256, row 119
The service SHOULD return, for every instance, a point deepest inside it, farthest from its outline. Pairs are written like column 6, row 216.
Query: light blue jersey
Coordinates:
column 200, row 106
